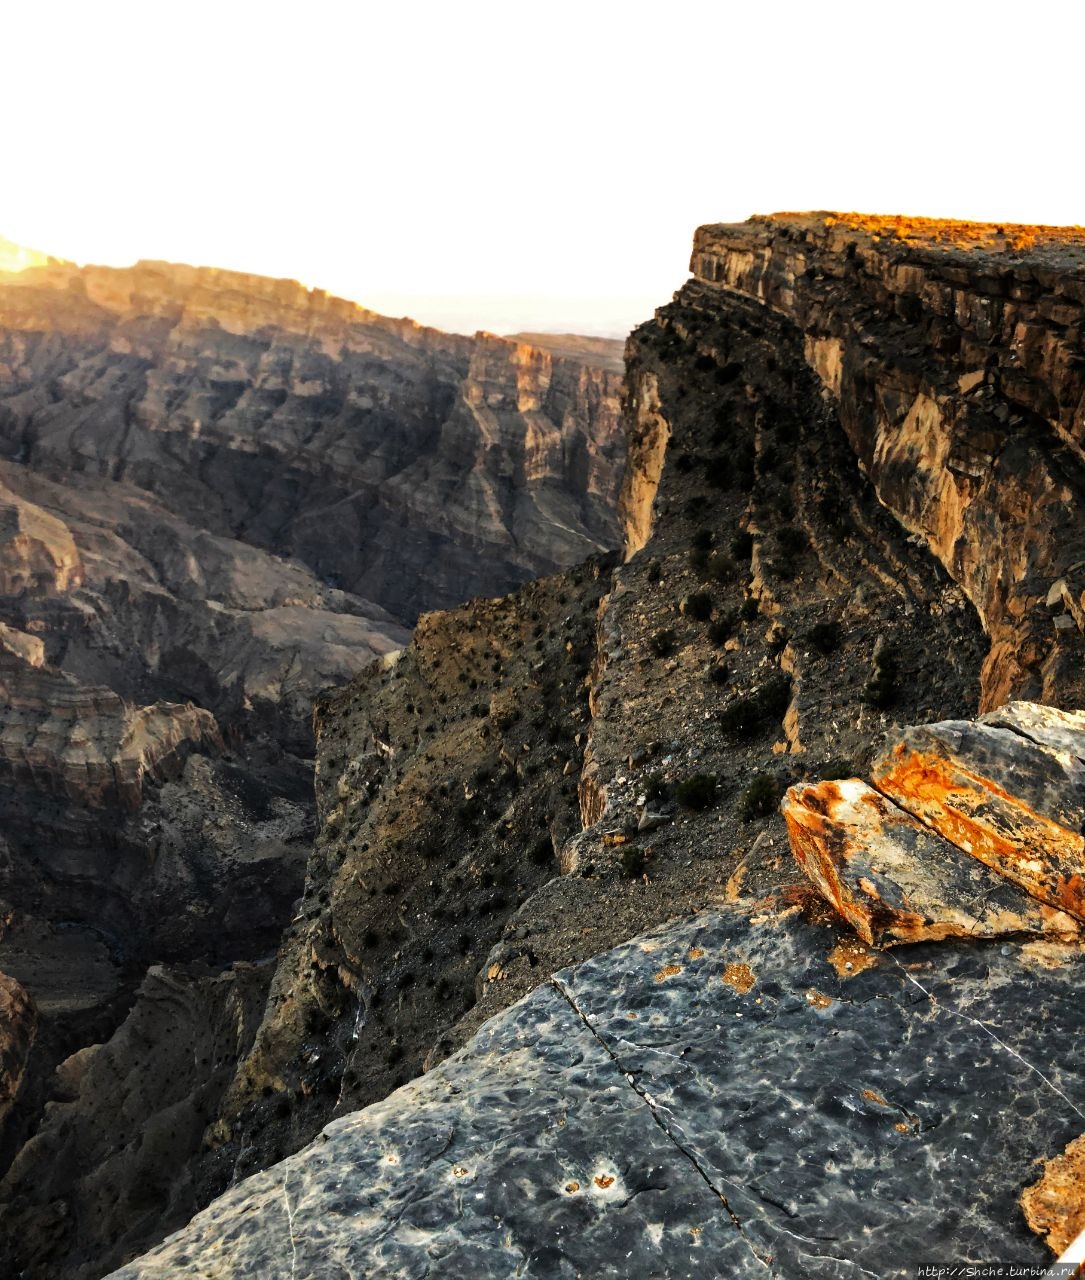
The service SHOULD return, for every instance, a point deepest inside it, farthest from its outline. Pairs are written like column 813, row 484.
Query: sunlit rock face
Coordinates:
column 953, row 355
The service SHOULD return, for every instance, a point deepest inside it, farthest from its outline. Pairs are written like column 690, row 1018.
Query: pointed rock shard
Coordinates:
column 893, row 880
column 1012, row 803
column 1050, row 727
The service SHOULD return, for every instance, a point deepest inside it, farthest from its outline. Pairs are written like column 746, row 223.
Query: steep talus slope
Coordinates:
column 219, row 495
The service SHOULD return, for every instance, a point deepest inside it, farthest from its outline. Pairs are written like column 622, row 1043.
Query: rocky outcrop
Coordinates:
column 84, row 743
column 895, row 880
column 119, row 1151
column 952, row 353
column 410, row 467
column 709, row 1099
column 18, row 1023
column 37, row 551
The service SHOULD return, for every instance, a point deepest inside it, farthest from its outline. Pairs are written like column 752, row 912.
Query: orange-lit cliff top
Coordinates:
column 991, row 237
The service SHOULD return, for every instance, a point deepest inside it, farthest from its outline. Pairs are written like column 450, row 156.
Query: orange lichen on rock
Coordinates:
column 895, row 881
column 957, row 784
column 668, row 971
column 739, row 976
column 990, row 236
column 1054, row 1206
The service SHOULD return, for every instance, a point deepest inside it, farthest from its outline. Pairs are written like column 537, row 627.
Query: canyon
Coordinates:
column 219, row 495
column 565, row 992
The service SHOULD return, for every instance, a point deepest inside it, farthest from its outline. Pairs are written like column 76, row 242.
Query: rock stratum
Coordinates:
column 565, row 992
column 219, row 496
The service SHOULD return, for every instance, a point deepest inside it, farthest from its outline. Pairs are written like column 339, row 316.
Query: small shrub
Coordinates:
column 720, row 568
column 698, row 606
column 698, row 791
column 702, row 540
column 791, row 540
column 698, row 560
column 881, row 689
column 723, row 626
column 656, row 789
column 836, row 769
column 749, row 609
column 759, row 798
column 742, row 544
column 824, row 637
column 655, row 573
column 632, row 862
column 542, row 851
column 663, row 643
column 748, row 715
column 718, row 672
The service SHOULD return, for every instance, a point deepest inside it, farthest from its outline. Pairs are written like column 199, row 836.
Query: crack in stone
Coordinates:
column 654, row 1111
column 290, row 1225
column 964, row 1017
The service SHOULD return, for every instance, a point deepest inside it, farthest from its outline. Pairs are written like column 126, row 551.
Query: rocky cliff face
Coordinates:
column 952, row 354
column 219, row 495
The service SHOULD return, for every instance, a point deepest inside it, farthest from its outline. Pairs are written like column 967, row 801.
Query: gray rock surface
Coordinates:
column 726, row 1096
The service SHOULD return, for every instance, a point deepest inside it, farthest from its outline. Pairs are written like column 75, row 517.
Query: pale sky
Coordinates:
column 505, row 165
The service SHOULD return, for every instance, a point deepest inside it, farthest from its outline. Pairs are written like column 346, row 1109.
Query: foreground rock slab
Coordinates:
column 744, row 1093
column 1014, row 804
column 893, row 880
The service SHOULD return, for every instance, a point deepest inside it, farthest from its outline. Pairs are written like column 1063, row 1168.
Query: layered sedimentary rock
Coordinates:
column 952, row 353
column 410, row 467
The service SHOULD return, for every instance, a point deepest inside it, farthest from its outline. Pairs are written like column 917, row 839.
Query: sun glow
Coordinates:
column 15, row 257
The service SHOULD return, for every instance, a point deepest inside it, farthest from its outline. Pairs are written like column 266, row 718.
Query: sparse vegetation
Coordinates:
column 698, row 606
column 746, row 716
column 825, row 637
column 663, row 642
column 699, row 791
column 723, row 626
column 632, row 861
column 882, row 688
column 760, row 797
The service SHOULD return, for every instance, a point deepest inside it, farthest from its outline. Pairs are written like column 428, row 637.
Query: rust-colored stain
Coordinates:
column 695, row 953
column 872, row 1095
column 901, row 1127
column 739, row 976
column 604, row 1180
column 458, row 1171
column 632, row 1015
column 1035, row 852
column 668, row 971
column 850, row 958
column 572, row 1187
column 818, row 998
column 1055, row 1206
column 613, row 838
